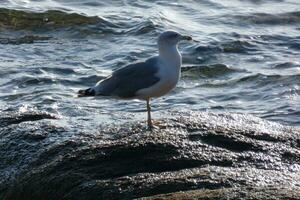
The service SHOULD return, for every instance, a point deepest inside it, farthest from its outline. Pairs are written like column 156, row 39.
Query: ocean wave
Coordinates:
column 75, row 24
column 208, row 71
column 208, row 49
column 260, row 80
column 291, row 42
column 58, row 70
column 51, row 19
column 255, row 81
column 277, row 38
column 290, row 117
column 27, row 39
column 271, row 19
column 237, row 46
column 286, row 65
column 227, row 46
column 31, row 82
column 142, row 27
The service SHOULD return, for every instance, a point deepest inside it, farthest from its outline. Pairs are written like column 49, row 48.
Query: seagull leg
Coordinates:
column 150, row 125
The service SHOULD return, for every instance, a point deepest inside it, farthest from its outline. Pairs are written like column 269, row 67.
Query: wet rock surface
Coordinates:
column 193, row 156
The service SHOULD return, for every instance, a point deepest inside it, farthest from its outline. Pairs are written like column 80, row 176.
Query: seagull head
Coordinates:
column 171, row 38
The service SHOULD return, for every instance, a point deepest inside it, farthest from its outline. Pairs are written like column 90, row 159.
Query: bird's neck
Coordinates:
column 170, row 54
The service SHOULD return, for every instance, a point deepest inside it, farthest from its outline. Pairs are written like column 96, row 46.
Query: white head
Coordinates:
column 171, row 38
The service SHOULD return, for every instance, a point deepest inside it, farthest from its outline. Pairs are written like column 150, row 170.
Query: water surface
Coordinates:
column 247, row 59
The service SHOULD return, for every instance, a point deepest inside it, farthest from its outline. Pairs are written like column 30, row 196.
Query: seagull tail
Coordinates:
column 86, row 93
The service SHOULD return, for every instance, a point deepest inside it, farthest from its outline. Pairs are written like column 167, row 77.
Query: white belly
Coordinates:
column 168, row 80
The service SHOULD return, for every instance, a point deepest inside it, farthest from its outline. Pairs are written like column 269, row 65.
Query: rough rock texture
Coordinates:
column 194, row 156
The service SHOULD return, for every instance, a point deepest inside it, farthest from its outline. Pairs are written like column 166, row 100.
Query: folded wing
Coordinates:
column 126, row 81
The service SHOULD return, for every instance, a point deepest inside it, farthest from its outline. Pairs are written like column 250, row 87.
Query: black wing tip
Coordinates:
column 87, row 92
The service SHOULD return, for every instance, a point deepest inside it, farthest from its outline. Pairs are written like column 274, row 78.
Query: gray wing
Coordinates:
column 126, row 81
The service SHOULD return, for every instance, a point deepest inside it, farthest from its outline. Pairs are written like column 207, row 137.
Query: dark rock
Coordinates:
column 195, row 156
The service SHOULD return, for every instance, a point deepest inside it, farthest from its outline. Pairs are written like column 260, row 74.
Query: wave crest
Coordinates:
column 271, row 19
column 209, row 71
column 17, row 19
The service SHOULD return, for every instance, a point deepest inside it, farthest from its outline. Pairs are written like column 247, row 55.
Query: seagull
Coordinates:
column 151, row 78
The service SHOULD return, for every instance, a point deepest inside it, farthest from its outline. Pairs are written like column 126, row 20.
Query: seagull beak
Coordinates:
column 188, row 38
